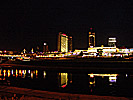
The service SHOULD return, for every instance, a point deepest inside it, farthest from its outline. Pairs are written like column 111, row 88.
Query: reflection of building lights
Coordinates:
column 16, row 72
column 0, row 72
column 63, row 86
column 112, row 79
column 23, row 73
column 36, row 73
column 44, row 74
column 9, row 73
column 92, row 82
column 64, row 79
column 20, row 73
column 70, row 78
column 28, row 71
column 4, row 73
column 32, row 75
column 104, row 74
column 126, row 75
column 12, row 72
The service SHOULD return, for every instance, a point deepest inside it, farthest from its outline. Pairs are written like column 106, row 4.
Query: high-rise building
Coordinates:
column 62, row 45
column 45, row 48
column 70, row 43
column 112, row 42
column 91, row 38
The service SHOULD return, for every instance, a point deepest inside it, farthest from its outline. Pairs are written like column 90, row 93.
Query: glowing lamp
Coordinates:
column 45, row 43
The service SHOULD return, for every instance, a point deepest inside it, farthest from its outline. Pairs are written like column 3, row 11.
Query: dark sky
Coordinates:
column 29, row 23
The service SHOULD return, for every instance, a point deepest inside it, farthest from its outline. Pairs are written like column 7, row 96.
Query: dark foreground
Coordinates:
column 11, row 93
column 52, row 75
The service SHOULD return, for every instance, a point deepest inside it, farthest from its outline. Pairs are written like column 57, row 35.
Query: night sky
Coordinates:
column 30, row 23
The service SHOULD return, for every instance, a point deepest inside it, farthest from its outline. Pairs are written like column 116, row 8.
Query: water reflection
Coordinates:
column 92, row 83
column 44, row 74
column 19, row 73
column 112, row 77
column 63, row 79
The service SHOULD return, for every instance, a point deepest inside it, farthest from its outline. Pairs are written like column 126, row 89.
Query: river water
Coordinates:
column 80, row 82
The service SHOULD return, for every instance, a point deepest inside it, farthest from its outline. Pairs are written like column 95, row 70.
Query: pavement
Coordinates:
column 15, row 93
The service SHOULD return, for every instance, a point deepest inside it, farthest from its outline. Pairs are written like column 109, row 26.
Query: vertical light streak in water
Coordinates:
column 23, row 73
column 44, row 74
column 4, row 72
column 9, row 73
column 0, row 72
column 70, row 78
column 20, row 74
column 16, row 73
column 32, row 74
column 36, row 73
column 12, row 72
column 28, row 71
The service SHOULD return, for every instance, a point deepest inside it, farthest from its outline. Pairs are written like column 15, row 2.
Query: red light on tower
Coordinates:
column 91, row 28
column 64, row 34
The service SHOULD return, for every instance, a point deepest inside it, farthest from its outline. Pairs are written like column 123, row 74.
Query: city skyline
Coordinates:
column 31, row 23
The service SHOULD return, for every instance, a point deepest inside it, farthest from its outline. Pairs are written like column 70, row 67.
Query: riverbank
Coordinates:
column 95, row 65
column 7, row 92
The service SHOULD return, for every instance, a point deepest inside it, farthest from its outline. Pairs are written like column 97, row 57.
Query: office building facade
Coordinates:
column 62, row 45
column 45, row 48
column 112, row 42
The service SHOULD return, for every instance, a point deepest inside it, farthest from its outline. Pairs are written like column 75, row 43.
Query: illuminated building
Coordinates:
column 32, row 50
column 45, row 48
column 62, row 45
column 70, row 43
column 112, row 42
column 91, row 38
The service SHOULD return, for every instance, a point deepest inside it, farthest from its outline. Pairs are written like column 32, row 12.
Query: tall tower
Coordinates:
column 91, row 38
column 62, row 42
column 70, row 43
column 45, row 48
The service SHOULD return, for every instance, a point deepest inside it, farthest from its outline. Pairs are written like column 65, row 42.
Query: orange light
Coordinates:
column 9, row 73
column 4, row 73
column 16, row 72
column 0, row 73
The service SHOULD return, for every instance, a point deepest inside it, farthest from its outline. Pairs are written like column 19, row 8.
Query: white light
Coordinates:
column 45, row 43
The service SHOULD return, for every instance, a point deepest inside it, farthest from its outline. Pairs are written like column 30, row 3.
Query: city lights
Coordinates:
column 65, row 50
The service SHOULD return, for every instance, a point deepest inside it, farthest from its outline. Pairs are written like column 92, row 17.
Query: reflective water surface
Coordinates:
column 120, row 84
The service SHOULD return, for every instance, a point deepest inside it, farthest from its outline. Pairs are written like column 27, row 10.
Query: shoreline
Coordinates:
column 24, row 93
column 95, row 65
